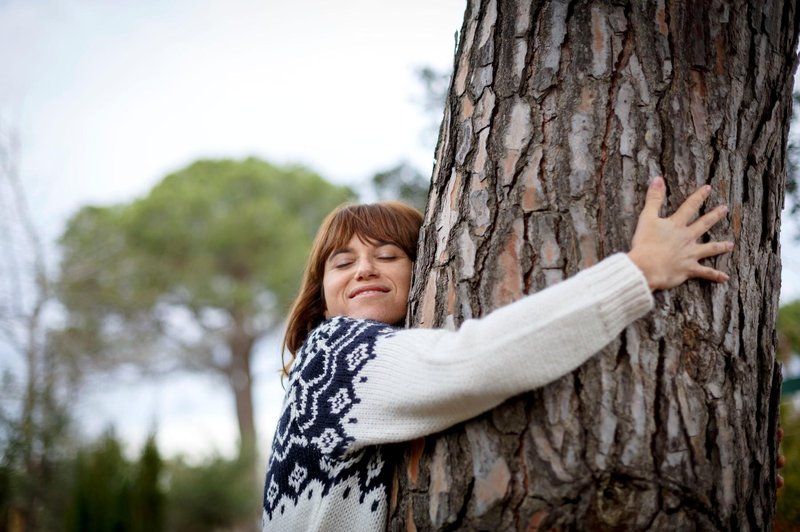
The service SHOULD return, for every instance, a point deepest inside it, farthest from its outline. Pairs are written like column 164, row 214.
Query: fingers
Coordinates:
column 712, row 249
column 667, row 249
column 704, row 272
column 704, row 251
column 781, row 461
column 656, row 193
column 780, row 435
column 707, row 221
column 778, row 481
column 692, row 205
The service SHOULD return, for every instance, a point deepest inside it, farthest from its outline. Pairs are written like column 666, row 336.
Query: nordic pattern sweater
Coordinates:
column 357, row 384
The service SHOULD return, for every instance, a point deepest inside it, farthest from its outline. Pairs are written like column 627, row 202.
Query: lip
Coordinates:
column 370, row 288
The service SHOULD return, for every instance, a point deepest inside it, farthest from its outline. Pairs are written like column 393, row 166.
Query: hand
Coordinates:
column 667, row 250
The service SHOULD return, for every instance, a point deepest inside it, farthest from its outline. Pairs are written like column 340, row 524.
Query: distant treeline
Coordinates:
column 98, row 489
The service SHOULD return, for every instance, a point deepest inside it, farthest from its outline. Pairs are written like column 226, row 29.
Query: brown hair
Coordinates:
column 387, row 221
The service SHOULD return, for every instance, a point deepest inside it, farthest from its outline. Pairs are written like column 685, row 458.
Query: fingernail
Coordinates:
column 657, row 182
column 724, row 209
column 730, row 246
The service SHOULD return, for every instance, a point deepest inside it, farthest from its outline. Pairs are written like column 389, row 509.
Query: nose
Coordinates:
column 366, row 269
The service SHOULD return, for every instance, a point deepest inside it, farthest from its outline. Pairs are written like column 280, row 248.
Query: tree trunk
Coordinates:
column 241, row 343
column 28, row 421
column 558, row 115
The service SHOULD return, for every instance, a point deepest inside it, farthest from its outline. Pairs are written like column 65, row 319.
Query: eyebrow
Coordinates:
column 338, row 252
column 378, row 244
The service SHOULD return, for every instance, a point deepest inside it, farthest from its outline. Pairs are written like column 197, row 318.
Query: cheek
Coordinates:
column 404, row 281
column 328, row 295
column 333, row 288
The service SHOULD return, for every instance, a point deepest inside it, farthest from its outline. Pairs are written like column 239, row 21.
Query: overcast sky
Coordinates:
column 109, row 97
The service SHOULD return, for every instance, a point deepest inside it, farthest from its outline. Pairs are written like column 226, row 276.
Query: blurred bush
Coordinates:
column 788, row 516
column 98, row 489
column 216, row 495
column 110, row 493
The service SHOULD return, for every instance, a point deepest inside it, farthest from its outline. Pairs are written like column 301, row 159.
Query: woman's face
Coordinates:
column 367, row 280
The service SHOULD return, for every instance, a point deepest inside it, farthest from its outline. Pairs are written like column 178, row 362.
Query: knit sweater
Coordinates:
column 357, row 384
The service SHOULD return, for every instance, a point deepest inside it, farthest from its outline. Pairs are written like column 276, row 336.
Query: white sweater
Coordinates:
column 357, row 384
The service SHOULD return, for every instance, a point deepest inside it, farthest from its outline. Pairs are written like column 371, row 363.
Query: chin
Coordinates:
column 375, row 317
column 381, row 316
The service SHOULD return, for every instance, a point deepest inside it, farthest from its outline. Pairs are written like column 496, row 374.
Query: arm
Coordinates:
column 421, row 381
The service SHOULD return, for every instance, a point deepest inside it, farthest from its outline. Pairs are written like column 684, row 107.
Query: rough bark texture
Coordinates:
column 558, row 114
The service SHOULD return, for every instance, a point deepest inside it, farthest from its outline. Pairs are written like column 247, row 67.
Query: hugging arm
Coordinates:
column 422, row 381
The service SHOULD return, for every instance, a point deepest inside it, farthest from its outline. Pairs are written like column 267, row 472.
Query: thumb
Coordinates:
column 656, row 193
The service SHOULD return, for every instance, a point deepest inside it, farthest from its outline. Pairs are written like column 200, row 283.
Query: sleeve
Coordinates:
column 421, row 381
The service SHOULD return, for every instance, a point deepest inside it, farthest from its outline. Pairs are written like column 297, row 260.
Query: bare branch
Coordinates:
column 26, row 220
column 12, row 274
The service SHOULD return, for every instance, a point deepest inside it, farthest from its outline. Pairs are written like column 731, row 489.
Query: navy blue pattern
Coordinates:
column 311, row 441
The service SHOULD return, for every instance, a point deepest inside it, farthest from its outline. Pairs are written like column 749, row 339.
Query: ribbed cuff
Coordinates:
column 622, row 290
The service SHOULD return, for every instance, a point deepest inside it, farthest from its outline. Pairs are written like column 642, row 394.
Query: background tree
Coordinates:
column 558, row 115
column 214, row 495
column 402, row 182
column 788, row 514
column 792, row 189
column 108, row 492
column 195, row 273
column 788, row 328
column 34, row 421
column 435, row 85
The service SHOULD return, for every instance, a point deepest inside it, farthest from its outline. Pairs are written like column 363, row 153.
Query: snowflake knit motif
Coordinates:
column 311, row 442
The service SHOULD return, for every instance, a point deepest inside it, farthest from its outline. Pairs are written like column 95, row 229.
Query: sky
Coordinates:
column 109, row 97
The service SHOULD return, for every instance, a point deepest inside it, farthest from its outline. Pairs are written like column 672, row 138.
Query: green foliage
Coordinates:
column 222, row 240
column 148, row 500
column 219, row 234
column 98, row 489
column 31, row 482
column 788, row 326
column 788, row 514
column 5, row 495
column 101, row 489
column 215, row 495
column 108, row 493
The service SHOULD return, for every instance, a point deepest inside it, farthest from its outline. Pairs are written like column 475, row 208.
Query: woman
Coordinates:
column 358, row 382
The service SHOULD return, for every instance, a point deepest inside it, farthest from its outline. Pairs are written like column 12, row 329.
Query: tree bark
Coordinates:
column 558, row 115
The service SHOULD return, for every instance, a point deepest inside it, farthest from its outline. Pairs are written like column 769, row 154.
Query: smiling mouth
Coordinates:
column 368, row 292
